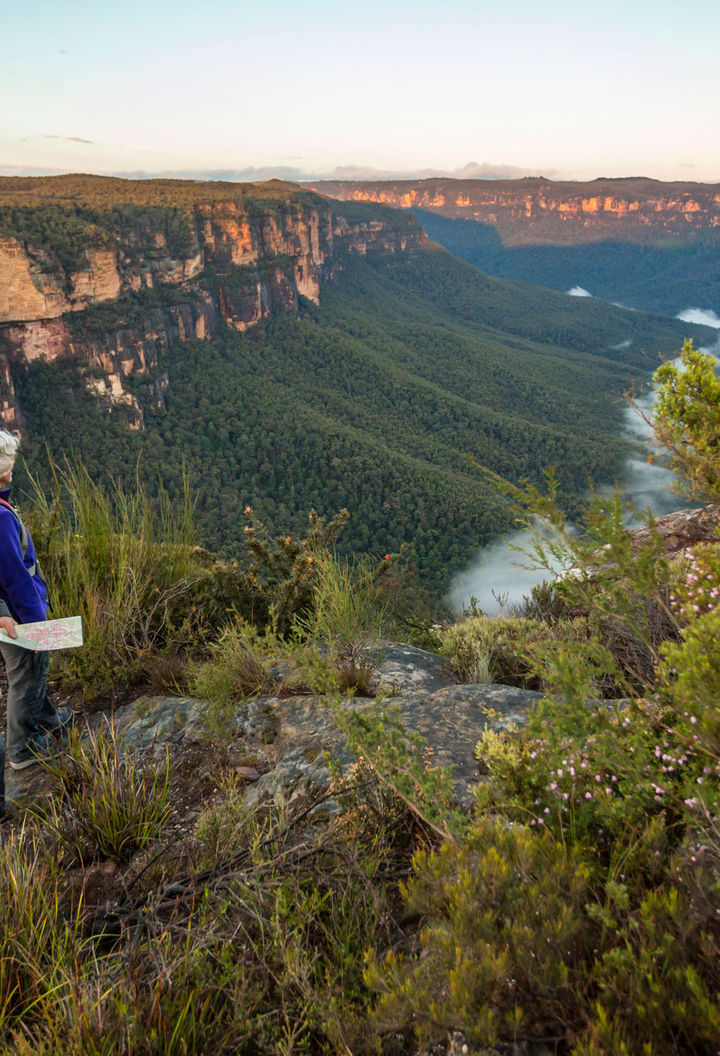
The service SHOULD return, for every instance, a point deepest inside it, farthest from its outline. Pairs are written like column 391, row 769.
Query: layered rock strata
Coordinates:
column 539, row 211
column 234, row 262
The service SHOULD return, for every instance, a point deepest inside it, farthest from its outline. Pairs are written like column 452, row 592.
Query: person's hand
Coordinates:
column 7, row 624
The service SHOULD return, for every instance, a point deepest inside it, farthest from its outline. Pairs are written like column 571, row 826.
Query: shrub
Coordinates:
column 282, row 570
column 346, row 616
column 501, row 649
column 523, row 943
column 686, row 419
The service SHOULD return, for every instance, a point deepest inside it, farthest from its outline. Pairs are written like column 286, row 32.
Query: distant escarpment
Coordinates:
column 110, row 272
column 540, row 211
column 646, row 244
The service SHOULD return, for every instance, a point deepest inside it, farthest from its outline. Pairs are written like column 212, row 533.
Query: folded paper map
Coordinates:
column 50, row 634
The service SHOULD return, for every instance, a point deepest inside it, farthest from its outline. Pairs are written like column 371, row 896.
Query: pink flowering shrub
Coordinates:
column 579, row 911
column 581, row 907
column 698, row 590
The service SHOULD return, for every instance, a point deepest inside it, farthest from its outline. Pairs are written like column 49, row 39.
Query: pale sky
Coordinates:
column 561, row 88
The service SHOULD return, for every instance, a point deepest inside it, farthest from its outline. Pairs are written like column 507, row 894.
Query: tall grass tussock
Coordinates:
column 127, row 565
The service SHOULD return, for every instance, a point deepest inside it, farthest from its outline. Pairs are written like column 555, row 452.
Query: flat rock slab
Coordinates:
column 286, row 741
column 404, row 668
column 453, row 719
column 150, row 723
column 298, row 733
column 289, row 738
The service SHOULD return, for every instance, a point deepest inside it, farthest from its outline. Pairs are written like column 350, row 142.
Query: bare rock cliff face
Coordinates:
column 538, row 211
column 235, row 263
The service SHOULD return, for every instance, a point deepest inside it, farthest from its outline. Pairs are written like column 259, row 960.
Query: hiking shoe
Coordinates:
column 65, row 718
column 46, row 747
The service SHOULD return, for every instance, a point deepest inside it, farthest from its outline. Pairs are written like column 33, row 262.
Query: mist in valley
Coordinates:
column 500, row 576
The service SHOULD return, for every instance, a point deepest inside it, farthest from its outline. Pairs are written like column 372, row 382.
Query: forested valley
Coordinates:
column 658, row 278
column 381, row 399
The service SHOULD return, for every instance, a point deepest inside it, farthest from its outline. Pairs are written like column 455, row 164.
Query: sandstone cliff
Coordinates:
column 539, row 211
column 171, row 261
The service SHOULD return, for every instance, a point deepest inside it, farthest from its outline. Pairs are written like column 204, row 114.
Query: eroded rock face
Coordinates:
column 9, row 412
column 283, row 248
column 538, row 211
column 100, row 281
column 30, row 288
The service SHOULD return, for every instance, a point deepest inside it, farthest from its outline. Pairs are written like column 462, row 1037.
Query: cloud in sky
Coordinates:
column 67, row 139
column 470, row 171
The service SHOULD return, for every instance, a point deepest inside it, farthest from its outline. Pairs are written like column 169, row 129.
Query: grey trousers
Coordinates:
column 30, row 714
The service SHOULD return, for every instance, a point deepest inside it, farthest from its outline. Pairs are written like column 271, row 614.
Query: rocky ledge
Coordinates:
column 281, row 744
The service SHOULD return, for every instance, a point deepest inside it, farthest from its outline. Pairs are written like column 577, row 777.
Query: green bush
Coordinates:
column 686, row 419
column 500, row 649
column 524, row 943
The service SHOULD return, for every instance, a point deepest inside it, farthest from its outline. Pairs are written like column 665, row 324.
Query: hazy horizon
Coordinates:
column 319, row 91
column 339, row 174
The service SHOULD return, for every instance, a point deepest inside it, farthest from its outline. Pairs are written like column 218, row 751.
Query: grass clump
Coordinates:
column 345, row 621
column 106, row 803
column 238, row 667
column 258, row 948
column 40, row 934
column 331, row 651
column 127, row 566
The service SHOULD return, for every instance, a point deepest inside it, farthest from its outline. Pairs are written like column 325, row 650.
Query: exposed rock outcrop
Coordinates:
column 288, row 738
column 541, row 211
column 9, row 411
column 233, row 258
column 684, row 528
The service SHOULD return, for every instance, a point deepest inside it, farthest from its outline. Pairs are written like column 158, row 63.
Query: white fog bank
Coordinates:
column 498, row 571
column 704, row 316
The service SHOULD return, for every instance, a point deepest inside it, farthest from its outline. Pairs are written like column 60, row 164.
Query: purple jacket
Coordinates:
column 25, row 596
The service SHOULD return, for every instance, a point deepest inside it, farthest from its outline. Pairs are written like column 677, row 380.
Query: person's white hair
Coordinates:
column 8, row 450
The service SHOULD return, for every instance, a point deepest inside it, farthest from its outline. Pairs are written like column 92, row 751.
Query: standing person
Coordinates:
column 33, row 722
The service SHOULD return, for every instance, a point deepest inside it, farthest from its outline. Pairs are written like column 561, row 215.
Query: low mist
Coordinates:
column 500, row 578
column 704, row 316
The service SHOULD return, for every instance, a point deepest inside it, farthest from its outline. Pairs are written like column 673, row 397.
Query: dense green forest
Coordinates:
column 653, row 278
column 376, row 400
column 97, row 195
